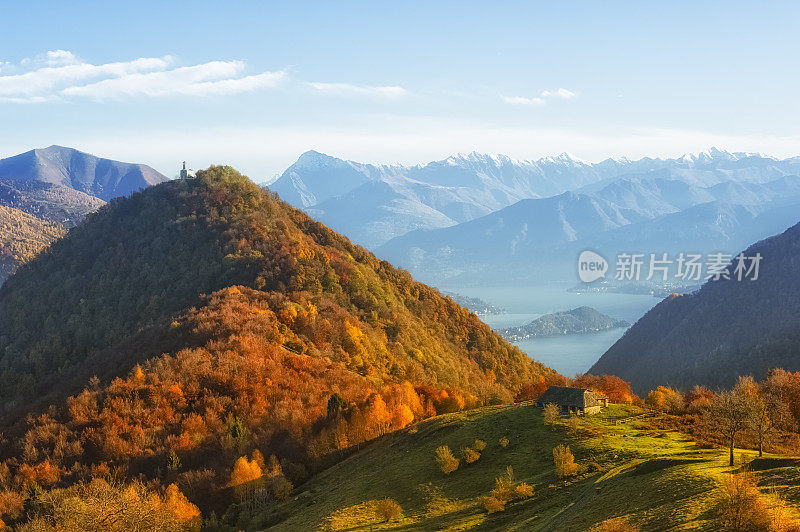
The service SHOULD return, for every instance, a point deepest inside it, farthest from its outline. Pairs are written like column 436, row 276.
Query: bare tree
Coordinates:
column 732, row 412
column 760, row 422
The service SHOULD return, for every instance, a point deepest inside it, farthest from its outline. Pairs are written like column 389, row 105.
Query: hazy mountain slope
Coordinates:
column 53, row 203
column 81, row 171
column 374, row 212
column 371, row 203
column 316, row 177
column 728, row 328
column 632, row 214
column 22, row 237
column 465, row 187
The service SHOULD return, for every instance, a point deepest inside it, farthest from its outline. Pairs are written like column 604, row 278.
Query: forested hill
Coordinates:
column 253, row 326
column 728, row 328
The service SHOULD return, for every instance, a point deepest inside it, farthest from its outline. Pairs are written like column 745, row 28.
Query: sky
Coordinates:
column 255, row 84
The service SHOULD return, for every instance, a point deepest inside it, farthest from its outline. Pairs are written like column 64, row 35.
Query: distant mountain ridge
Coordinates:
column 374, row 203
column 58, row 187
column 728, row 328
column 671, row 210
column 96, row 176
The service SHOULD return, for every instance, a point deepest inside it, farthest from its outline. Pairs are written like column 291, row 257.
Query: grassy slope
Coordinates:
column 655, row 479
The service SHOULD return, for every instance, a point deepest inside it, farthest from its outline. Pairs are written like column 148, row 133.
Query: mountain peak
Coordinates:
column 81, row 171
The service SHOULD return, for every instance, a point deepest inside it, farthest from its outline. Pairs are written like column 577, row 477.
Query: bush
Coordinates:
column 564, row 461
column 492, row 504
column 504, row 442
column 741, row 505
column 445, row 459
column 550, row 413
column 479, row 445
column 505, row 490
column 470, row 455
column 504, row 486
column 523, row 490
column 281, row 488
column 388, row 510
column 436, row 503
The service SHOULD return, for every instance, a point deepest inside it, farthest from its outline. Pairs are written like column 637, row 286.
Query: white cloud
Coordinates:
column 65, row 76
column 207, row 79
column 521, row 100
column 45, row 83
column 544, row 96
column 59, row 58
column 388, row 91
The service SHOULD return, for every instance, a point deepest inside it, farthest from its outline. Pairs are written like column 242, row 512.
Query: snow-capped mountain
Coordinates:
column 372, row 204
column 537, row 237
column 471, row 213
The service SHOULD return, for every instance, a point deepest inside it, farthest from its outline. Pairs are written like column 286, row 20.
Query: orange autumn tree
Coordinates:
column 245, row 470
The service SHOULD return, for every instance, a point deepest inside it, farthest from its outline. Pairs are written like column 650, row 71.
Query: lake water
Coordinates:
column 570, row 354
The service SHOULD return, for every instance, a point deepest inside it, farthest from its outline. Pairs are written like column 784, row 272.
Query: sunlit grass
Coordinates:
column 654, row 478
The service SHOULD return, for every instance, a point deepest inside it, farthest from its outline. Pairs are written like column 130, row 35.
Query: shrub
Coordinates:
column 504, row 486
column 492, row 504
column 741, row 506
column 523, row 490
column 564, row 461
column 388, row 510
column 479, row 445
column 505, row 490
column 551, row 413
column 281, row 488
column 504, row 442
column 445, row 459
column 470, row 455
column 436, row 503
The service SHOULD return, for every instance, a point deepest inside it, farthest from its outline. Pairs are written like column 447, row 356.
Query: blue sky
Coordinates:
column 254, row 84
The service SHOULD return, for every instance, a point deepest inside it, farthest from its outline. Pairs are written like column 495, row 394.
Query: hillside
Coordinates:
column 576, row 321
column 102, row 178
column 232, row 323
column 56, row 204
column 650, row 478
column 22, row 237
column 728, row 328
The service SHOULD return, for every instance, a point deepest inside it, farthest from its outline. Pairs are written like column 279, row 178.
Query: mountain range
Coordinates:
column 53, row 189
column 717, row 206
column 374, row 204
column 728, row 328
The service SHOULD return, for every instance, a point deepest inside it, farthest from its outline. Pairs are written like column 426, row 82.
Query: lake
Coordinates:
column 569, row 354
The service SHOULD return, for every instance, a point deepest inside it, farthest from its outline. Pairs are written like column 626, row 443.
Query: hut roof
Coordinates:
column 565, row 396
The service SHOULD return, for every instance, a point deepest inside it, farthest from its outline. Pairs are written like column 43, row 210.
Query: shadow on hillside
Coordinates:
column 657, row 464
